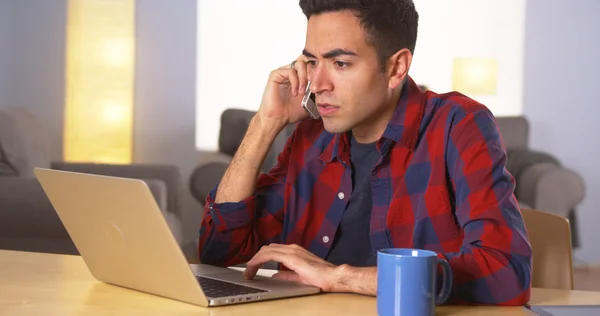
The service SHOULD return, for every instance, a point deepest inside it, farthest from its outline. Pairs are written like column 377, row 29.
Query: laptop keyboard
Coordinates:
column 215, row 288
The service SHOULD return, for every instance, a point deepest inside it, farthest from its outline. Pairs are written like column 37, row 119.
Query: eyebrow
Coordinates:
column 331, row 54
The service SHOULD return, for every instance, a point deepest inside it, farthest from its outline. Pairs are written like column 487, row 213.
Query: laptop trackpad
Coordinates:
column 258, row 281
column 205, row 269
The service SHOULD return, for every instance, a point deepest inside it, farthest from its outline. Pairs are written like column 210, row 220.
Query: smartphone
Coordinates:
column 309, row 104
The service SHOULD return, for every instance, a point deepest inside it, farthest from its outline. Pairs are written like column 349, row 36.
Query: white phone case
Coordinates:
column 309, row 104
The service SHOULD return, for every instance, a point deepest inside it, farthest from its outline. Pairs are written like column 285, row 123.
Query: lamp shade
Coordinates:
column 475, row 76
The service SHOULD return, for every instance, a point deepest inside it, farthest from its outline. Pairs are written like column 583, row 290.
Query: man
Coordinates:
column 387, row 165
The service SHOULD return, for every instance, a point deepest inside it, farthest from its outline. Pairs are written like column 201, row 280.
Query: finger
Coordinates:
column 279, row 247
column 263, row 256
column 251, row 271
column 289, row 249
column 287, row 76
column 301, row 69
column 288, row 66
column 288, row 276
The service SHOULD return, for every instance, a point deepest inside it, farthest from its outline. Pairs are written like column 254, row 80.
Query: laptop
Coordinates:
column 122, row 236
column 566, row 310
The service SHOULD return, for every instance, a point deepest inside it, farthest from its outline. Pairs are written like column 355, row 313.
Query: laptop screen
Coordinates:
column 572, row 310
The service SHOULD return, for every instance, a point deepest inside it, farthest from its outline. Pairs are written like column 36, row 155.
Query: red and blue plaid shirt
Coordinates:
column 441, row 184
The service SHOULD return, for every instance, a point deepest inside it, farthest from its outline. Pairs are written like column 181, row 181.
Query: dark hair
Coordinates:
column 389, row 25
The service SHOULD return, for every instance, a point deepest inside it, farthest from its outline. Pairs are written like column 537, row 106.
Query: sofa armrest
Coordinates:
column 169, row 175
column 214, row 156
column 159, row 190
column 210, row 170
column 26, row 212
column 550, row 187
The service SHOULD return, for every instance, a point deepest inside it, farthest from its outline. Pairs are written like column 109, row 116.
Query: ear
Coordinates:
column 397, row 68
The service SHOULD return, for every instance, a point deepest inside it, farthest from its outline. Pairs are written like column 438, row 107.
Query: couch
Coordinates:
column 543, row 183
column 27, row 219
column 213, row 164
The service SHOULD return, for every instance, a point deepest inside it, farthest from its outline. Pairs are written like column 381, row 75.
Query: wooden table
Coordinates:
column 46, row 284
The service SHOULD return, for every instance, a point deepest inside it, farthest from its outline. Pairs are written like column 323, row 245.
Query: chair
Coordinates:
column 550, row 237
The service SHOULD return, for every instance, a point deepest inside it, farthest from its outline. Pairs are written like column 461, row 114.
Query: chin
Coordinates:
column 334, row 126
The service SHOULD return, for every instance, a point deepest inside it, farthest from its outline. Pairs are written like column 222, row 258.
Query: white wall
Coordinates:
column 5, row 24
column 165, row 93
column 562, row 64
column 239, row 43
column 475, row 29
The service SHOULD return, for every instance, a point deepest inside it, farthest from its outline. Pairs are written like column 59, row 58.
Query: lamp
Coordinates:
column 99, row 81
column 475, row 76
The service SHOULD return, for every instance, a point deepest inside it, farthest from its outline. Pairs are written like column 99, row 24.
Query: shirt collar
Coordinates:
column 403, row 128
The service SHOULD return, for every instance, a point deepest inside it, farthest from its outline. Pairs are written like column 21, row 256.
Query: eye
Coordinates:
column 341, row 64
column 312, row 63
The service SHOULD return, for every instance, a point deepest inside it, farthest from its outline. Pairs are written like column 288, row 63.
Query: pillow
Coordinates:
column 6, row 167
column 24, row 141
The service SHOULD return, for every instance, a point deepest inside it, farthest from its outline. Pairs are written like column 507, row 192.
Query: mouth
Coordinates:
column 326, row 109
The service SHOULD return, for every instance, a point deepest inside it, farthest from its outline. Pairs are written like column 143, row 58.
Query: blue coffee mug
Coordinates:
column 406, row 282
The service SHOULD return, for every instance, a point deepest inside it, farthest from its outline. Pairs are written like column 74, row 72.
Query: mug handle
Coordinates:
column 447, row 282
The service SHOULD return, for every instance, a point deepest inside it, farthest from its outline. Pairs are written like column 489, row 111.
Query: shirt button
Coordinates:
column 325, row 239
column 341, row 195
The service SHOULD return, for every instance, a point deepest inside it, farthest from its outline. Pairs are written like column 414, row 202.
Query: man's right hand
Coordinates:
column 282, row 98
column 281, row 105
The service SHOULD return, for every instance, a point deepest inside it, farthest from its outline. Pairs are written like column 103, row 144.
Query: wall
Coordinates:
column 473, row 29
column 239, row 43
column 5, row 37
column 165, row 92
column 561, row 83
column 234, row 63
column 165, row 97
column 165, row 80
column 38, row 62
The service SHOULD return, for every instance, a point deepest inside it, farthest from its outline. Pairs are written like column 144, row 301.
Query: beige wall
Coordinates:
column 165, row 83
column 5, row 22
column 36, row 62
column 165, row 92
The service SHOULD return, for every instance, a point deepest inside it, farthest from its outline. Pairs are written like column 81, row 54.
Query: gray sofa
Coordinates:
column 212, row 165
column 27, row 219
column 542, row 182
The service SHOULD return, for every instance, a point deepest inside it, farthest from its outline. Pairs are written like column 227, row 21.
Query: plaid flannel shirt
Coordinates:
column 441, row 184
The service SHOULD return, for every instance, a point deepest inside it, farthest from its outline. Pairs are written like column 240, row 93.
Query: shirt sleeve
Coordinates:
column 231, row 233
column 494, row 263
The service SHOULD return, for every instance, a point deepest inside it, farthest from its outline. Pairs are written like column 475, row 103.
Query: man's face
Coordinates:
column 351, row 88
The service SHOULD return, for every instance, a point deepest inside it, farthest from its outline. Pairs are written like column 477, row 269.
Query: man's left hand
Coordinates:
column 307, row 268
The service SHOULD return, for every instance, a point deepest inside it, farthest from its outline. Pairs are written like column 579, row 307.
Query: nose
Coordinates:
column 320, row 80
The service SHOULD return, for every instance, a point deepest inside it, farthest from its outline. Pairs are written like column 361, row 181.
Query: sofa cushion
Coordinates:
column 205, row 177
column 514, row 130
column 6, row 167
column 23, row 140
column 234, row 124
